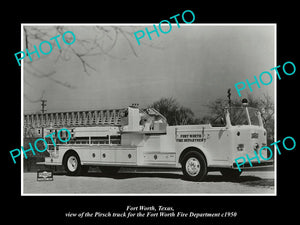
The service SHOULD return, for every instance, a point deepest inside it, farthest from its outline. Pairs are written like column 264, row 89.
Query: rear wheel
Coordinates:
column 72, row 164
column 194, row 166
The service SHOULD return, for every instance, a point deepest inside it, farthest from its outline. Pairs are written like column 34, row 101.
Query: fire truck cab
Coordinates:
column 144, row 139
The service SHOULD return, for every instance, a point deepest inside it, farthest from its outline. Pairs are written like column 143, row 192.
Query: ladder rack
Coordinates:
column 74, row 119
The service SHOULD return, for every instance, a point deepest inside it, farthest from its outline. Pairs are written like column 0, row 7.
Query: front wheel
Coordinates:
column 194, row 166
column 72, row 164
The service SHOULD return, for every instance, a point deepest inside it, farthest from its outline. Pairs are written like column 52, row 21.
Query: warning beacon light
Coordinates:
column 244, row 102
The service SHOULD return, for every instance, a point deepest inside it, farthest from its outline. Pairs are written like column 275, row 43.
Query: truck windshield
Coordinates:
column 238, row 116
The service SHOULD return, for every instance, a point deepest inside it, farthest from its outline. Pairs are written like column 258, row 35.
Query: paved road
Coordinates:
column 157, row 182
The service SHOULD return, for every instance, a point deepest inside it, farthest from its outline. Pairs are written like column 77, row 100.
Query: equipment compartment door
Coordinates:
column 157, row 157
column 126, row 156
column 107, row 155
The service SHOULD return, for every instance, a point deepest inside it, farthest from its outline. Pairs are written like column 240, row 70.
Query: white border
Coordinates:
column 147, row 24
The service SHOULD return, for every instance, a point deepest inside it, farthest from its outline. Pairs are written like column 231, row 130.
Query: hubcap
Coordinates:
column 192, row 166
column 72, row 163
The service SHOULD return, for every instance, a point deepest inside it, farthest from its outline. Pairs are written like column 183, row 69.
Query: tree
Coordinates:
column 167, row 107
column 184, row 116
column 174, row 113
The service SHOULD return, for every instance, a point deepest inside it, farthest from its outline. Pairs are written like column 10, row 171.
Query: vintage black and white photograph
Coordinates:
column 148, row 109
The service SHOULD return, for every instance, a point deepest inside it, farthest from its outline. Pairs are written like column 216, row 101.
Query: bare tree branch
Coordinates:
column 131, row 46
column 101, row 42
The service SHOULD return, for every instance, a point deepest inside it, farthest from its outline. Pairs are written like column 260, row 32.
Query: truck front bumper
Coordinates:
column 50, row 161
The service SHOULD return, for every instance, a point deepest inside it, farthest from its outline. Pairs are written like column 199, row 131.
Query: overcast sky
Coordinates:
column 194, row 64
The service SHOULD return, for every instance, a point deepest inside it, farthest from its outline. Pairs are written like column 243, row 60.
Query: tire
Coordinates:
column 194, row 166
column 72, row 164
column 231, row 173
column 109, row 170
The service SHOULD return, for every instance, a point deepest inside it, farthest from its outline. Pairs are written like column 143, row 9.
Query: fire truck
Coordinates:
column 143, row 138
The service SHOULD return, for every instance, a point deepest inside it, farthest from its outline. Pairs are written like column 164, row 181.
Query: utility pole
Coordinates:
column 43, row 110
column 229, row 94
